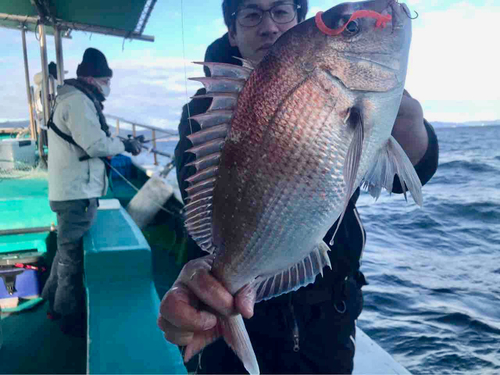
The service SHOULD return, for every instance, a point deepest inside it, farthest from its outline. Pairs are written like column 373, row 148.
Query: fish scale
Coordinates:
column 285, row 144
column 290, row 167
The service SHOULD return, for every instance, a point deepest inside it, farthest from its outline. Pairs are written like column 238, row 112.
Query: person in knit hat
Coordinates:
column 80, row 142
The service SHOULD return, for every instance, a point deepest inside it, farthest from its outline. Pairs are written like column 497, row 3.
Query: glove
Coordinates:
column 133, row 145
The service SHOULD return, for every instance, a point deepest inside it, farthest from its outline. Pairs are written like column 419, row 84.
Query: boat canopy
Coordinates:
column 122, row 18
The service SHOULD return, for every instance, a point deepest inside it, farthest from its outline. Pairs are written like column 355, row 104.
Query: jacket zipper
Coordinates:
column 89, row 171
column 295, row 330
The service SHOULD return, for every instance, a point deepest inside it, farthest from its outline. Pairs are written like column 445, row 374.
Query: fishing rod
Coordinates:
column 150, row 149
column 165, row 138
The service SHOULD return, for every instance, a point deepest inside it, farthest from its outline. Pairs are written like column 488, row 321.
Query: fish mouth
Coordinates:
column 400, row 14
column 336, row 16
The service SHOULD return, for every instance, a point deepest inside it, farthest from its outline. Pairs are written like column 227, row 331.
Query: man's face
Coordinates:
column 254, row 42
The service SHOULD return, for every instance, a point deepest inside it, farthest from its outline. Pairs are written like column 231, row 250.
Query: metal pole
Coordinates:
column 34, row 131
column 28, row 86
column 8, row 232
column 45, row 92
column 154, row 146
column 117, row 127
column 45, row 73
column 59, row 56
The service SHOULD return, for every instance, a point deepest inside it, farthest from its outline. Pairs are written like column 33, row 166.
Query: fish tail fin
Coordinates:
column 236, row 336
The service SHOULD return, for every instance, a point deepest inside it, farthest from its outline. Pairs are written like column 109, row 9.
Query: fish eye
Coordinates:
column 352, row 27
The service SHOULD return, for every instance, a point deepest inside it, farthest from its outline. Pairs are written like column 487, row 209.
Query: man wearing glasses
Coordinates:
column 313, row 329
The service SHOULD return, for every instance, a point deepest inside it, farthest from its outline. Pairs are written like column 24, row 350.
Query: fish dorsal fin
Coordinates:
column 220, row 100
column 223, row 87
column 228, row 70
column 299, row 275
column 352, row 160
column 246, row 63
column 221, row 84
column 389, row 161
column 213, row 118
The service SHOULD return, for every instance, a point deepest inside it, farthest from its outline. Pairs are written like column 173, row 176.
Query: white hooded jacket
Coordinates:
column 70, row 178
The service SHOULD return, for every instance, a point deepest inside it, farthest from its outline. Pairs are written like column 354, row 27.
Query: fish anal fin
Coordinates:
column 389, row 161
column 294, row 277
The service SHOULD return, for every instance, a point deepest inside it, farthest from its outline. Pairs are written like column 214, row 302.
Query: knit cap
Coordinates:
column 94, row 64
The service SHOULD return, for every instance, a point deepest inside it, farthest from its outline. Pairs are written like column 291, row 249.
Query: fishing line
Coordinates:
column 163, row 137
column 184, row 62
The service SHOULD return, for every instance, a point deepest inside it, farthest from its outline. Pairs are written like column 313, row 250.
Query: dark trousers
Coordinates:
column 64, row 288
column 326, row 343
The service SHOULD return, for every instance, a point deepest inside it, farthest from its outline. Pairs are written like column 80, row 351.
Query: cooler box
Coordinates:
column 17, row 283
column 17, row 153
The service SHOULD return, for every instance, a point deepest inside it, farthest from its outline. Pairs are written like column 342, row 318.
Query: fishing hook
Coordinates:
column 409, row 15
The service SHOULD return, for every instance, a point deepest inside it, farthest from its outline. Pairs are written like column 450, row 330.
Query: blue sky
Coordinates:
column 453, row 69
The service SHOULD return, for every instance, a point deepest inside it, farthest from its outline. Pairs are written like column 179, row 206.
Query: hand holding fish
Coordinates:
column 189, row 310
column 409, row 129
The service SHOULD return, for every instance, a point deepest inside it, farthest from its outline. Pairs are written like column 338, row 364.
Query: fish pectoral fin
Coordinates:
column 352, row 160
column 391, row 160
column 291, row 279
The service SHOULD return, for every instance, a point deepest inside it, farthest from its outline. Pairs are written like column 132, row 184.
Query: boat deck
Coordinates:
column 32, row 344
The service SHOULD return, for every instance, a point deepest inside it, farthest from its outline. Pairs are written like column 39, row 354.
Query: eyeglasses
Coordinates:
column 280, row 13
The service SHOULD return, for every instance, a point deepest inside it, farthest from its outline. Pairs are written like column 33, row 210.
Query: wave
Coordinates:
column 470, row 166
column 464, row 321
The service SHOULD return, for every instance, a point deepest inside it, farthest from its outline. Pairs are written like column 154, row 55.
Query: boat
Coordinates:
column 128, row 267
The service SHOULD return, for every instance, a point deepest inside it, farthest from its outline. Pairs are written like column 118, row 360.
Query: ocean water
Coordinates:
column 433, row 299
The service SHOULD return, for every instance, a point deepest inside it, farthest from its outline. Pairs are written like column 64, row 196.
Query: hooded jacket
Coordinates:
column 69, row 178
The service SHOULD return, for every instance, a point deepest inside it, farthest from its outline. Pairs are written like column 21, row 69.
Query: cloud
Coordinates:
column 144, row 89
column 461, row 110
column 219, row 27
column 453, row 69
column 152, row 91
column 452, row 56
